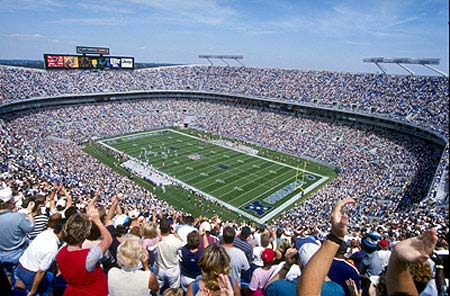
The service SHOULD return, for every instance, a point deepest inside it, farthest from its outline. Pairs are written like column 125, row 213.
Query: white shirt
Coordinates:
column 41, row 252
column 184, row 230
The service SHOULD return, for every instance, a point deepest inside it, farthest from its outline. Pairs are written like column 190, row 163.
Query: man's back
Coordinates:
column 167, row 251
column 238, row 262
column 13, row 230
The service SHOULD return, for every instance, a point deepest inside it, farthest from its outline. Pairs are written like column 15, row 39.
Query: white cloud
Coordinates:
column 105, row 21
column 208, row 12
column 32, row 37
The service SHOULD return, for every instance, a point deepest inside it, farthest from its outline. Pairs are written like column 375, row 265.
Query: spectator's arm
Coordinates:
column 112, row 210
column 316, row 270
column 67, row 196
column 52, row 197
column 30, row 213
column 37, row 280
column 274, row 239
column 290, row 260
column 92, row 213
column 152, row 281
column 398, row 277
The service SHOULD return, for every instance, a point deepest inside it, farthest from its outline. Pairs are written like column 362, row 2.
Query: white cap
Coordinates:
column 61, row 202
column 6, row 194
column 205, row 226
column 133, row 214
column 306, row 251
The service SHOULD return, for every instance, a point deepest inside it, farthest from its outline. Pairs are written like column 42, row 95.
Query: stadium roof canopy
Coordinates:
column 237, row 58
column 426, row 62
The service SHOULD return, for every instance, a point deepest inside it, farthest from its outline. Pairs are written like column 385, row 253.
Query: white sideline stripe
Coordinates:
column 261, row 220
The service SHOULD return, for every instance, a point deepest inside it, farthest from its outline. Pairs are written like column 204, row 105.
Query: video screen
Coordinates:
column 85, row 62
column 127, row 63
column 114, row 63
column 54, row 61
column 102, row 62
column 71, row 62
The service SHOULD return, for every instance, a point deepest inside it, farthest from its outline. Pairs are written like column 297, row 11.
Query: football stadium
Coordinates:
column 159, row 171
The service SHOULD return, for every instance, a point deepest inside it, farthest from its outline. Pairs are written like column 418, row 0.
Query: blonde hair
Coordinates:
column 130, row 252
column 173, row 292
column 149, row 230
column 213, row 261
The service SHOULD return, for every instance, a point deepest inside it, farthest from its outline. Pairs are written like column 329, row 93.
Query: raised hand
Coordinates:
column 225, row 285
column 416, row 248
column 339, row 220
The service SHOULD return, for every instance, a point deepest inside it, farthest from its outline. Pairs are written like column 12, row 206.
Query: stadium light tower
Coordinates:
column 236, row 58
column 426, row 62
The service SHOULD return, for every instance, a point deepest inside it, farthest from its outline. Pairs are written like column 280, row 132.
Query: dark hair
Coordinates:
column 94, row 234
column 72, row 210
column 120, row 230
column 189, row 220
column 164, row 226
column 193, row 240
column 228, row 234
column 265, row 240
column 56, row 222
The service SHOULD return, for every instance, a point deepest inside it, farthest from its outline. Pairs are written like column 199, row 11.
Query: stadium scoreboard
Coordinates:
column 92, row 50
column 88, row 58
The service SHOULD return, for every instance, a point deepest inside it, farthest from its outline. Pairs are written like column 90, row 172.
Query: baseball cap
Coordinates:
column 306, row 251
column 205, row 226
column 268, row 255
column 133, row 214
column 6, row 194
column 61, row 202
column 383, row 243
column 369, row 242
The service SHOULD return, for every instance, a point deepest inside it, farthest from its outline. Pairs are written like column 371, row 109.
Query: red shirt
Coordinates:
column 80, row 281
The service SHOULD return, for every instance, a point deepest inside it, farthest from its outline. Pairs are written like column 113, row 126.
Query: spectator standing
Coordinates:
column 215, row 267
column 14, row 228
column 130, row 279
column 262, row 275
column 189, row 258
column 80, row 267
column 186, row 228
column 239, row 261
column 167, row 268
column 341, row 270
column 32, row 271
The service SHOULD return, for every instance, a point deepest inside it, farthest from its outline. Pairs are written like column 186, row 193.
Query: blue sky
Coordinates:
column 318, row 35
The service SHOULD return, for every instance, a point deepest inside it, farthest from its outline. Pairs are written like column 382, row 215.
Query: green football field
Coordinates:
column 235, row 176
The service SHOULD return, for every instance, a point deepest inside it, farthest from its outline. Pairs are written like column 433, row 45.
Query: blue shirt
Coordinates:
column 189, row 262
column 14, row 228
column 342, row 270
column 286, row 287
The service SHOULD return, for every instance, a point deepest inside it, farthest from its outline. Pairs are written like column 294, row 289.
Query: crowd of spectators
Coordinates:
column 421, row 100
column 387, row 174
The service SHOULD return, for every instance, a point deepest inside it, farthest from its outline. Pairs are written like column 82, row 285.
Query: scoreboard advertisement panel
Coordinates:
column 71, row 62
column 63, row 61
column 127, row 63
column 84, row 62
column 114, row 63
column 92, row 50
column 54, row 61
